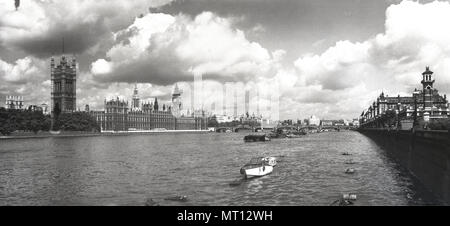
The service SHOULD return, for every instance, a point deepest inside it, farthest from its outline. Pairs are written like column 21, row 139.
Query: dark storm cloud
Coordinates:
column 37, row 28
column 77, row 39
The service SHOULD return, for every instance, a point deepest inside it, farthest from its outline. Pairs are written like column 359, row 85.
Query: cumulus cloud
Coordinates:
column 415, row 36
column 336, row 68
column 25, row 77
column 28, row 69
column 39, row 25
column 158, row 49
column 163, row 49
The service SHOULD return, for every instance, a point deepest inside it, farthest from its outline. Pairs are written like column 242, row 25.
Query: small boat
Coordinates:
column 55, row 132
column 256, row 138
column 271, row 161
column 293, row 136
column 350, row 197
column 345, row 200
column 257, row 167
column 177, row 198
column 151, row 202
column 301, row 133
column 350, row 171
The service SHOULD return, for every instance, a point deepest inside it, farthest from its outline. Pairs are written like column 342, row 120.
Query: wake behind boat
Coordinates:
column 258, row 167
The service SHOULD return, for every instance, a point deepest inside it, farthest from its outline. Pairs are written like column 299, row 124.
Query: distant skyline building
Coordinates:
column 224, row 118
column 18, row 103
column 213, row 107
column 247, row 101
column 235, row 105
column 198, row 92
column 14, row 103
column 313, row 121
column 258, row 113
column 63, row 85
column 224, row 100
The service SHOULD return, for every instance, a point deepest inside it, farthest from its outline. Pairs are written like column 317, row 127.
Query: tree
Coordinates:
column 7, row 127
column 12, row 120
column 35, row 126
column 78, row 121
column 46, row 123
column 439, row 124
column 213, row 122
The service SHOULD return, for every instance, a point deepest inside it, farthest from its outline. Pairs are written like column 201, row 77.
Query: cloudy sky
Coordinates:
column 323, row 57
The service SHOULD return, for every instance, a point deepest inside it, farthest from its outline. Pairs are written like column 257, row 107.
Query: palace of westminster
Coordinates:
column 117, row 115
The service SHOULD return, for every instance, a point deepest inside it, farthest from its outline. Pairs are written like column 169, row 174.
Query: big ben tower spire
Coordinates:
column 176, row 101
column 136, row 105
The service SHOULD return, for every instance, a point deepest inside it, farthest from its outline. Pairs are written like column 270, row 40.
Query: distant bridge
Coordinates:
column 244, row 128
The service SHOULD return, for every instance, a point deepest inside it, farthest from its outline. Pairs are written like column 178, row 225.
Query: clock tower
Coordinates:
column 176, row 102
column 427, row 83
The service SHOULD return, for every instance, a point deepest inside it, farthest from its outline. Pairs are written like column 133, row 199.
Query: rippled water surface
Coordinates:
column 128, row 170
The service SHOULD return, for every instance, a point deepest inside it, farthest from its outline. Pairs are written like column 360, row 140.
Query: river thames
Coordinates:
column 129, row 170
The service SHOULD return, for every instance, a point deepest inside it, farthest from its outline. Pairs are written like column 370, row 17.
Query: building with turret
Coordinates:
column 135, row 103
column 176, row 101
column 117, row 117
column 63, row 85
column 425, row 103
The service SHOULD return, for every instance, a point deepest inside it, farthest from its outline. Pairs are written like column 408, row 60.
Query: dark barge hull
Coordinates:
column 256, row 138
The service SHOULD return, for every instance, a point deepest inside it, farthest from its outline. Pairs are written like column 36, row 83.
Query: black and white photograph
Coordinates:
column 224, row 103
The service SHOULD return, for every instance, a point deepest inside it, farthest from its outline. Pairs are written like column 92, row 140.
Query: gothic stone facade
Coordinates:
column 118, row 117
column 63, row 85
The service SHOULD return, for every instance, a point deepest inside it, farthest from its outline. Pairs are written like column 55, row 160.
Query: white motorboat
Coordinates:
column 55, row 132
column 258, row 167
column 271, row 161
